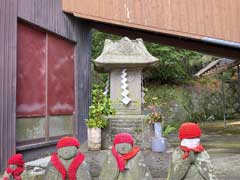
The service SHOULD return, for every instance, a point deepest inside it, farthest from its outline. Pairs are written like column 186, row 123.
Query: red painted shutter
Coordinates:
column 31, row 72
column 60, row 76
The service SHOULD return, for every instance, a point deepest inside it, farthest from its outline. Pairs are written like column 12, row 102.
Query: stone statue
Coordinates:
column 190, row 161
column 68, row 163
column 125, row 162
column 15, row 168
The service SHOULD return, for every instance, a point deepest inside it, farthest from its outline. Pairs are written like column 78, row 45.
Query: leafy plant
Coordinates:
column 173, row 66
column 154, row 115
column 168, row 130
column 99, row 110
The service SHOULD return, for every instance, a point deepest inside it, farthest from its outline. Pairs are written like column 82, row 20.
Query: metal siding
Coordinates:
column 60, row 76
column 8, row 30
column 31, row 72
column 195, row 19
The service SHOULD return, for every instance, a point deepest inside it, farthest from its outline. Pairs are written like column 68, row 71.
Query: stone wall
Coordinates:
column 196, row 102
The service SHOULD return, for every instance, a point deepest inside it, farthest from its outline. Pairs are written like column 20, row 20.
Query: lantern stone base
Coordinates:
column 133, row 124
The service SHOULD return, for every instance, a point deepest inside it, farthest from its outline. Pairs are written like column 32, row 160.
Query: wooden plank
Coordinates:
column 191, row 44
column 192, row 19
column 8, row 19
column 46, row 14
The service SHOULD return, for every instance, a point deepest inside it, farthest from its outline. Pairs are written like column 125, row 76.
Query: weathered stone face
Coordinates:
column 196, row 167
column 13, row 167
column 123, row 148
column 135, row 169
column 67, row 153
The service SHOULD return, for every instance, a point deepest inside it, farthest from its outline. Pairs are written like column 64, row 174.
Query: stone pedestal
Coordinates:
column 133, row 124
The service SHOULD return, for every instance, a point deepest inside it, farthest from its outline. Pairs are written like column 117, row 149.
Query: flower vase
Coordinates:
column 159, row 143
column 94, row 139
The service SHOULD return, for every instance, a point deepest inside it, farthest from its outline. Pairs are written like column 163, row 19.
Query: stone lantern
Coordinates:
column 125, row 60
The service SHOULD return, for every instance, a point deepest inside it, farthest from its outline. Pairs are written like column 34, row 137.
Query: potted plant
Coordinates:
column 98, row 112
column 155, row 119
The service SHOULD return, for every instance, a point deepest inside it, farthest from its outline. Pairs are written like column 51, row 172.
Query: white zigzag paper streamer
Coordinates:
column 126, row 100
column 106, row 90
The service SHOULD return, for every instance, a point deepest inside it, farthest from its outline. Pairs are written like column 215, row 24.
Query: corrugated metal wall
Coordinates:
column 8, row 33
column 48, row 15
column 189, row 18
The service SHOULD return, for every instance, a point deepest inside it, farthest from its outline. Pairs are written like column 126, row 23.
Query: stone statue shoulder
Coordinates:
column 83, row 172
column 178, row 167
column 51, row 172
column 204, row 166
column 136, row 169
column 109, row 169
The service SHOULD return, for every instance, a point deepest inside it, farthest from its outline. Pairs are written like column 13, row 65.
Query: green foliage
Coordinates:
column 98, row 39
column 99, row 110
column 173, row 66
column 168, row 130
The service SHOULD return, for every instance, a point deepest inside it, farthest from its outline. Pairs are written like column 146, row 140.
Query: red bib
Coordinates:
column 72, row 171
column 187, row 150
column 121, row 159
column 15, row 173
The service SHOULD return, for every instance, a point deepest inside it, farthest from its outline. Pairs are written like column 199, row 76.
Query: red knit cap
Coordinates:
column 16, row 159
column 68, row 141
column 123, row 138
column 189, row 130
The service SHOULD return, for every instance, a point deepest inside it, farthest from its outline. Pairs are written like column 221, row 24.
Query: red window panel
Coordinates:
column 60, row 76
column 31, row 72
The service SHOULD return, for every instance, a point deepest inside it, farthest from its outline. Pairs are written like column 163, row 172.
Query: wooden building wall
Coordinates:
column 46, row 14
column 8, row 38
column 188, row 18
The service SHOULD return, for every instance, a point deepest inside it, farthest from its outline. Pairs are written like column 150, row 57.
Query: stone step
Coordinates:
column 125, row 126
column 126, row 130
column 120, row 121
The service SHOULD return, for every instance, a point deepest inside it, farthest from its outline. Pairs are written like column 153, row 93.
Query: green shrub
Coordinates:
column 99, row 110
column 167, row 130
column 174, row 64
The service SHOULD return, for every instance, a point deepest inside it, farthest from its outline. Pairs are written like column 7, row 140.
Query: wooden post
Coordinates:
column 238, row 89
column 224, row 103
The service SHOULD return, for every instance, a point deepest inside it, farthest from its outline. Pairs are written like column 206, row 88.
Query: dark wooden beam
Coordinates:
column 176, row 41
